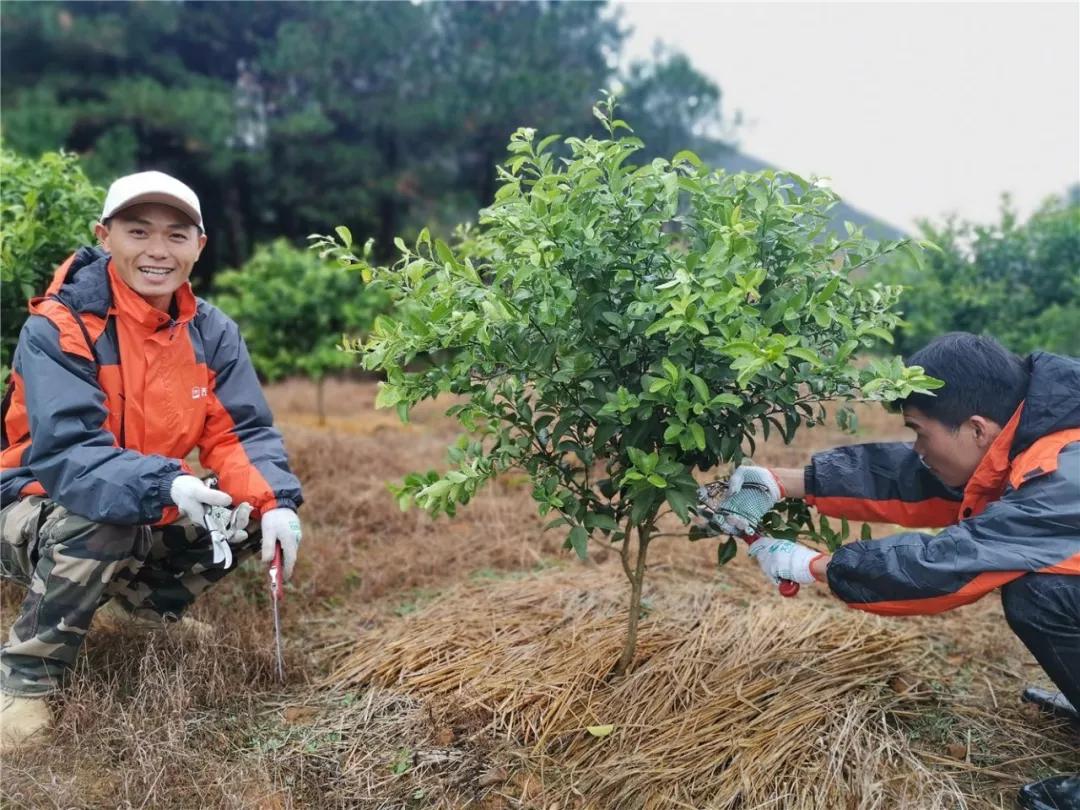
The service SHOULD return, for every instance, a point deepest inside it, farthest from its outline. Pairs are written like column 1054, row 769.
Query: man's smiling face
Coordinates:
column 154, row 248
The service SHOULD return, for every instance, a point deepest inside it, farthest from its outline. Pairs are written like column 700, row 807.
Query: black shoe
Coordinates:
column 1052, row 702
column 1055, row 793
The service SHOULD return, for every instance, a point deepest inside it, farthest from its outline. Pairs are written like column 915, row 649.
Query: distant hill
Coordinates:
column 732, row 160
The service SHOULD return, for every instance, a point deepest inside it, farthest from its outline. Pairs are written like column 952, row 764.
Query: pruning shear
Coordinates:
column 711, row 493
column 223, row 523
column 277, row 594
column 216, row 520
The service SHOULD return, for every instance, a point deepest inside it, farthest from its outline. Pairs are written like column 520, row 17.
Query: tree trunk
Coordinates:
column 320, row 401
column 636, row 575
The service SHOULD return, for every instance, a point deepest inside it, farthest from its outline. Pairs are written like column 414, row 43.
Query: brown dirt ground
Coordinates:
column 168, row 721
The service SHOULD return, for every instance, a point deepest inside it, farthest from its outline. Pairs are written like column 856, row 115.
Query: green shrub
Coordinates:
column 47, row 210
column 1017, row 281
column 611, row 327
column 294, row 309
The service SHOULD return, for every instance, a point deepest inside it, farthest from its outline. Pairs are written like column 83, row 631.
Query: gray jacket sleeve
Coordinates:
column 1032, row 528
column 239, row 441
column 72, row 454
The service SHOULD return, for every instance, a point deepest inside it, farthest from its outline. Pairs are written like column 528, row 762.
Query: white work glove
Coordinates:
column 726, row 511
column 193, row 497
column 236, row 530
column 281, row 526
column 784, row 559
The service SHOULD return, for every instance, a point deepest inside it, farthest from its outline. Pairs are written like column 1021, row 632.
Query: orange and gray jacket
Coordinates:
column 108, row 395
column 1019, row 513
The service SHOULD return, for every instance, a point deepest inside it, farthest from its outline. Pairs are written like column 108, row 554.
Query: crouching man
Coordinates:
column 996, row 461
column 119, row 373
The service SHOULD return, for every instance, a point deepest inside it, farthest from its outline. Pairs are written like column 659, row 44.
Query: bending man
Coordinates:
column 996, row 461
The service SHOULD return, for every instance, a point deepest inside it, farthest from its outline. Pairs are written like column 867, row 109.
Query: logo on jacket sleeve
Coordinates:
column 198, row 392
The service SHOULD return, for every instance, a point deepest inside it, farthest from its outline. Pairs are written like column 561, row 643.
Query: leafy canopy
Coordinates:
column 47, row 210
column 282, row 115
column 610, row 326
column 1017, row 281
column 294, row 308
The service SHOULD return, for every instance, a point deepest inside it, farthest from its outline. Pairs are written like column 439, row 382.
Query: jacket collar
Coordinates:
column 988, row 481
column 129, row 304
column 1052, row 402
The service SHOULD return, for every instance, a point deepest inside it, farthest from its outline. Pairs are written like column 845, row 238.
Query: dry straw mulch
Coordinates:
column 730, row 704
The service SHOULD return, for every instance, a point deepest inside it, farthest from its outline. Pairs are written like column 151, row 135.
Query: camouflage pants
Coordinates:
column 72, row 565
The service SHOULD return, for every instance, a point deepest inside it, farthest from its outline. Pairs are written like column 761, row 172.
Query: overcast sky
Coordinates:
column 913, row 110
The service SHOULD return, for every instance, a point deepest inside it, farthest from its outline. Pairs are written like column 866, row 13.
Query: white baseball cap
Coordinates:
column 152, row 187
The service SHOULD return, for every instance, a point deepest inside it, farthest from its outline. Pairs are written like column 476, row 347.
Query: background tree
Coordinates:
column 1017, row 281
column 611, row 326
column 47, row 210
column 286, row 116
column 294, row 310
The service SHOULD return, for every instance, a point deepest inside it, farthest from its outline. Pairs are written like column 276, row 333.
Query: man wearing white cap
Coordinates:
column 120, row 372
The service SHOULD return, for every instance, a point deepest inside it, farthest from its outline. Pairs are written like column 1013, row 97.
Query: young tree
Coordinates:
column 610, row 327
column 295, row 308
column 47, row 210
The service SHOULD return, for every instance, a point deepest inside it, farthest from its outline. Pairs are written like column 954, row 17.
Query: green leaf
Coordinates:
column 673, row 431
column 726, row 399
column 579, row 539
column 600, row 731
column 805, row 354
column 698, row 432
column 726, row 552
column 345, row 235
column 444, row 253
column 680, row 503
column 597, row 520
column 699, row 386
column 830, row 290
column 662, row 325
column 878, row 332
column 670, row 369
column 387, row 397
column 546, row 142
column 689, row 157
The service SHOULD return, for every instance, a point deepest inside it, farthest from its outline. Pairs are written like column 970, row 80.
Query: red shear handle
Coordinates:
column 787, row 587
column 277, row 584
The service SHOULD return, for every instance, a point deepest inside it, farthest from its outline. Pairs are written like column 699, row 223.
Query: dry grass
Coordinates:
column 168, row 722
column 738, row 699
column 156, row 721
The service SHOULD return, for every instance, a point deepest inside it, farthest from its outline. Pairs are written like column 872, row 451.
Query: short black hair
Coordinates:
column 982, row 378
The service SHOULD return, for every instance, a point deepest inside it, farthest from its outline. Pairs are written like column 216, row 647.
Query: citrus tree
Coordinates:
column 295, row 309
column 610, row 327
column 47, row 210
